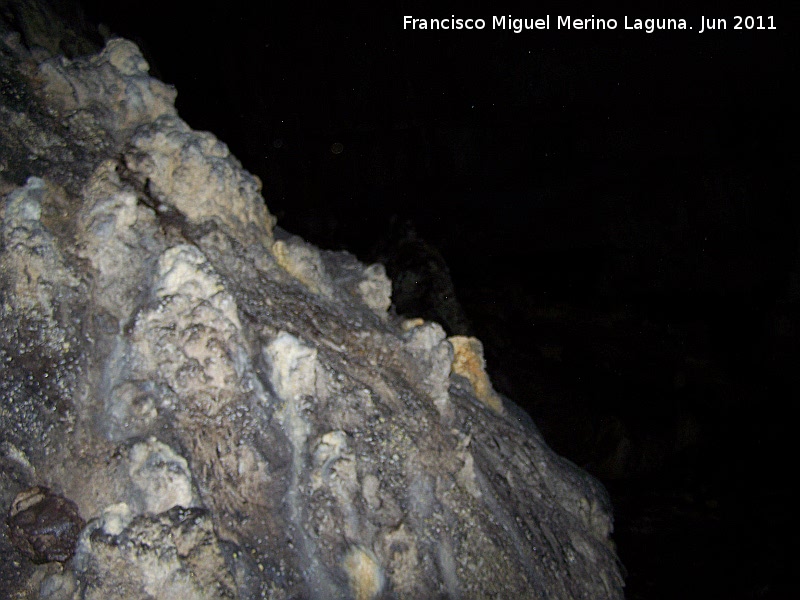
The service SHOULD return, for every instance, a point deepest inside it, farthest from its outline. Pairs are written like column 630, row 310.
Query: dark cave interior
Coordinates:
column 606, row 210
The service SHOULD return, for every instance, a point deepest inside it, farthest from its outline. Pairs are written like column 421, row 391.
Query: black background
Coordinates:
column 615, row 212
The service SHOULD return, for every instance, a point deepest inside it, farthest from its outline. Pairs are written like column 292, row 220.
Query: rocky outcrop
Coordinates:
column 209, row 407
column 421, row 280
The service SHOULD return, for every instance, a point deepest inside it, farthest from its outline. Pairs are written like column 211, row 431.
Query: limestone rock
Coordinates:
column 235, row 413
column 469, row 363
column 171, row 555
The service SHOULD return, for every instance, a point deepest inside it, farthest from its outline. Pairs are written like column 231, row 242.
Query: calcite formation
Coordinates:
column 226, row 410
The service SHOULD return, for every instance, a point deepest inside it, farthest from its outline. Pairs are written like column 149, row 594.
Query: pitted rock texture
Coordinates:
column 235, row 413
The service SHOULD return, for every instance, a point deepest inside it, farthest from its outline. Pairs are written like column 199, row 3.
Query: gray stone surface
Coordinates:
column 234, row 412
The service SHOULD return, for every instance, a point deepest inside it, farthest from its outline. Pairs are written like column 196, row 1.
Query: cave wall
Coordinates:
column 195, row 403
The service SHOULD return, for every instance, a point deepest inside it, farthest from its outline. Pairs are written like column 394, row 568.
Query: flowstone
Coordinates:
column 233, row 412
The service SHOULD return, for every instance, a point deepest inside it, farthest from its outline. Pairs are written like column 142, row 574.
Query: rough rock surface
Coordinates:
column 233, row 412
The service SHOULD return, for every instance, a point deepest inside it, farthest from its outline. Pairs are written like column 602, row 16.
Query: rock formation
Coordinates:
column 421, row 280
column 197, row 404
